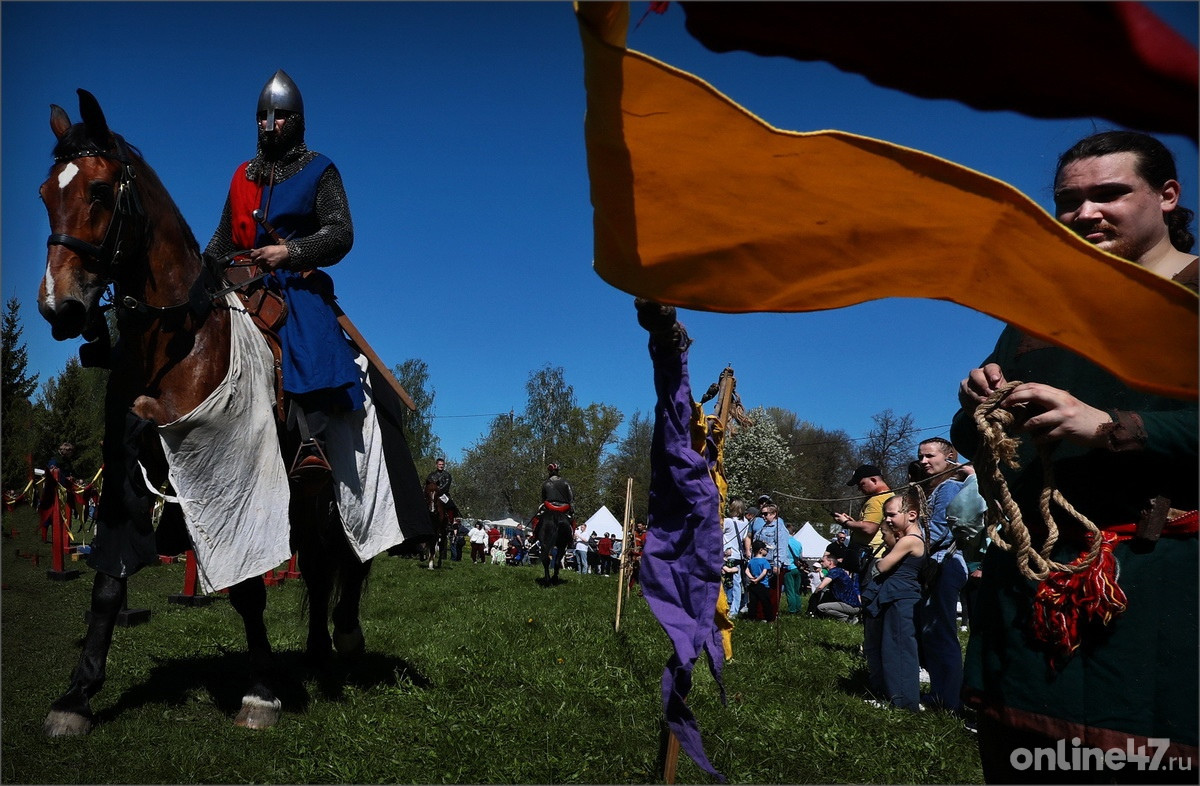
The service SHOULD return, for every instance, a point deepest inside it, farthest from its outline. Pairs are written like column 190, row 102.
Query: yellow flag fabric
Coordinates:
column 700, row 204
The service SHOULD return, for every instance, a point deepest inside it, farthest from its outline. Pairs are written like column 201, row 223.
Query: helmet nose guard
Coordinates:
column 279, row 93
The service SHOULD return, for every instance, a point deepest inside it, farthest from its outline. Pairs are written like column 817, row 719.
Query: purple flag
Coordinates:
column 681, row 562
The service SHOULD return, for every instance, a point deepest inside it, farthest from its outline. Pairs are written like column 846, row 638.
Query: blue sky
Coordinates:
column 458, row 129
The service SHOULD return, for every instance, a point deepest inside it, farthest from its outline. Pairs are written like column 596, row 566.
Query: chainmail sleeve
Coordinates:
column 333, row 240
column 222, row 239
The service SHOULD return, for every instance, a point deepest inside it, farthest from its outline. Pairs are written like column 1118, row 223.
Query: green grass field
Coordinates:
column 474, row 674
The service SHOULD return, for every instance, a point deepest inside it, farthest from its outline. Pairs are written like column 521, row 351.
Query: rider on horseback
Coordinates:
column 442, row 478
column 557, row 494
column 557, row 499
column 554, row 520
column 289, row 206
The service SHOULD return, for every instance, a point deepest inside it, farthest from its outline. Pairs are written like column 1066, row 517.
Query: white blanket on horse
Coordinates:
column 229, row 476
column 354, row 447
column 225, row 466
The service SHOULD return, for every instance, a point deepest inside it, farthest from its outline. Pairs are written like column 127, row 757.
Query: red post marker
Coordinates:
column 59, row 543
column 191, row 575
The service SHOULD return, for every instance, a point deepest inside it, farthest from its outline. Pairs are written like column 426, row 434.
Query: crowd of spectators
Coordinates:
column 895, row 568
column 596, row 553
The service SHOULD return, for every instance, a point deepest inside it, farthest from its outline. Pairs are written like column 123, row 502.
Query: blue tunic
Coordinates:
column 316, row 355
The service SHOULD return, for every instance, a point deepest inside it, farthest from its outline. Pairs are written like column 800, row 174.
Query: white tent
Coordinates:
column 603, row 521
column 814, row 544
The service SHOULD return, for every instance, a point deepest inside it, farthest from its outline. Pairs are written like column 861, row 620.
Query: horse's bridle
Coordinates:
column 129, row 218
column 127, row 213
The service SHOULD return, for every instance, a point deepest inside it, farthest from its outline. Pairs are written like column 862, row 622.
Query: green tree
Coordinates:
column 589, row 433
column 17, row 413
column 492, row 480
column 413, row 376
column 548, row 411
column 502, row 473
column 74, row 412
column 631, row 459
column 758, row 461
column 823, row 461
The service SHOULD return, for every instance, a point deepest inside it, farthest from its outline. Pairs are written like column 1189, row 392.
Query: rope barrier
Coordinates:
column 861, row 497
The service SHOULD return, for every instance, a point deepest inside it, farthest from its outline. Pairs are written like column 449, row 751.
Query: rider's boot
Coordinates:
column 310, row 471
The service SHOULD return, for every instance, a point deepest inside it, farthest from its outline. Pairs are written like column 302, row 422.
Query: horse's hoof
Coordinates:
column 66, row 724
column 258, row 713
column 350, row 644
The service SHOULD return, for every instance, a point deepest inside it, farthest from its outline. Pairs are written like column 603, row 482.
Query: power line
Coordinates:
column 481, row 415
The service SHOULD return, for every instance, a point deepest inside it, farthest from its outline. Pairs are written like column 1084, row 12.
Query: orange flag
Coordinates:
column 700, row 204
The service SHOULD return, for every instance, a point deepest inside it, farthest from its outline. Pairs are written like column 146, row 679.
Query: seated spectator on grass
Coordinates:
column 499, row 550
column 843, row 602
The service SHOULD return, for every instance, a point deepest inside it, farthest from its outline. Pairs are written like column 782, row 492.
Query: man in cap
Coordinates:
column 298, row 193
column 865, row 538
column 866, row 541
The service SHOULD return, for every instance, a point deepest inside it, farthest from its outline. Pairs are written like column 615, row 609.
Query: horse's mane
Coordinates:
column 77, row 141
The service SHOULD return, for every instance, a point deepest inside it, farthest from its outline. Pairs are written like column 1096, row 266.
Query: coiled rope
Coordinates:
column 999, row 447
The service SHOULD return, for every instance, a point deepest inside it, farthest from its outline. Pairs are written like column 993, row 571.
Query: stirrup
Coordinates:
column 310, row 468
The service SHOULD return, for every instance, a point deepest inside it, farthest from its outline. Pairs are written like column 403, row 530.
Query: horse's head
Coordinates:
column 96, row 218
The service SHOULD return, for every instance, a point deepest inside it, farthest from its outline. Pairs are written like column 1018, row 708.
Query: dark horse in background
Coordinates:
column 114, row 225
column 552, row 529
column 441, row 516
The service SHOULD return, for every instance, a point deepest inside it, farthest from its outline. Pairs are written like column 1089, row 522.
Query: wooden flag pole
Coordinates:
column 622, row 574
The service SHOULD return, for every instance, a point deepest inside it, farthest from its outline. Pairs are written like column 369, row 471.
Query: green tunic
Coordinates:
column 1138, row 676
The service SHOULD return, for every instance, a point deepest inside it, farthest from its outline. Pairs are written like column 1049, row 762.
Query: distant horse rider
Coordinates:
column 289, row 206
column 442, row 478
column 557, row 496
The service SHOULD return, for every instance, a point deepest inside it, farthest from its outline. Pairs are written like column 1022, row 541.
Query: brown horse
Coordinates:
column 441, row 517
column 114, row 225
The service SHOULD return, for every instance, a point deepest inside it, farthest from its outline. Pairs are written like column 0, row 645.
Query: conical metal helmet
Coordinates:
column 280, row 92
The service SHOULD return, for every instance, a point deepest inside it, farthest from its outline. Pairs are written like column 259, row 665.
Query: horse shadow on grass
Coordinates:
column 225, row 677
